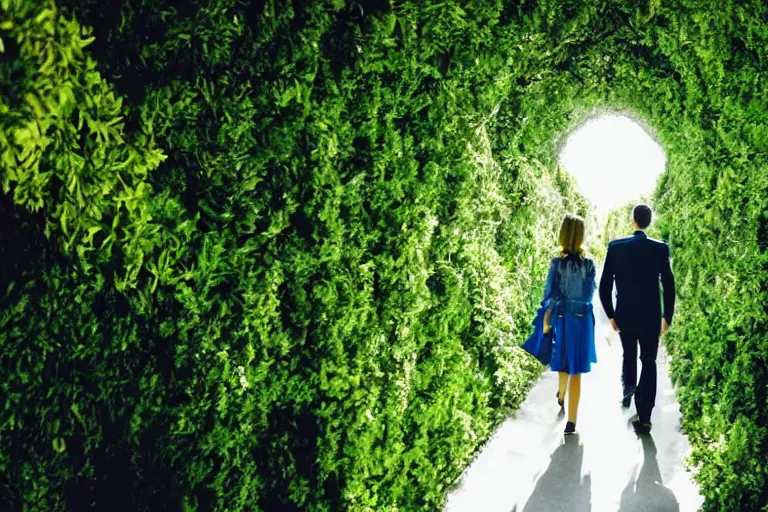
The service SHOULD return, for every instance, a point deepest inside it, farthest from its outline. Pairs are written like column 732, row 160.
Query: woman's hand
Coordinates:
column 545, row 323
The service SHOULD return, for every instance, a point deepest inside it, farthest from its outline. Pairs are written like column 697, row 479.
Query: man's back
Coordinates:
column 635, row 263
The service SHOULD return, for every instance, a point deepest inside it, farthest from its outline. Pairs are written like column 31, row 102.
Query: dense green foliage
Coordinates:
column 284, row 261
column 303, row 307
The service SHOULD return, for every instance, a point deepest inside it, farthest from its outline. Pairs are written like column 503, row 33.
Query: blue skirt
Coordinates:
column 574, row 348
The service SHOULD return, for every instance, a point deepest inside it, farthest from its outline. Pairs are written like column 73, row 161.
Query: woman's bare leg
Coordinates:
column 562, row 384
column 574, row 393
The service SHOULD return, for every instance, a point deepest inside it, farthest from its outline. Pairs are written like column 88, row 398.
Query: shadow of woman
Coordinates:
column 647, row 493
column 561, row 487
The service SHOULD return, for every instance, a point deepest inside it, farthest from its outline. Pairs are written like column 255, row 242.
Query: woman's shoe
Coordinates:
column 561, row 403
column 570, row 428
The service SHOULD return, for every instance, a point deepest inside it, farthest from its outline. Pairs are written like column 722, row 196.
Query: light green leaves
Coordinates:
column 59, row 445
column 43, row 136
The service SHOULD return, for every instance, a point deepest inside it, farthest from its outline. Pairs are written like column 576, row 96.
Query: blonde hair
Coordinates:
column 572, row 235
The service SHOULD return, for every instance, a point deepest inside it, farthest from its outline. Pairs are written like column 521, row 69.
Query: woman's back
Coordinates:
column 571, row 280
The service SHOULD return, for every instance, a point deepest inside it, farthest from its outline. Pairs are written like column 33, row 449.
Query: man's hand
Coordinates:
column 664, row 326
column 613, row 324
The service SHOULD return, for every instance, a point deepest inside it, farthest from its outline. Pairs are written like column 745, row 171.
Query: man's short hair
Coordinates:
column 642, row 215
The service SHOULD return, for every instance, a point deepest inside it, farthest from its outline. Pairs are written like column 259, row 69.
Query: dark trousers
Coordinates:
column 645, row 390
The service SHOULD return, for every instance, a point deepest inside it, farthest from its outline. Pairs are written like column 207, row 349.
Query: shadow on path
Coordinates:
column 647, row 493
column 562, row 487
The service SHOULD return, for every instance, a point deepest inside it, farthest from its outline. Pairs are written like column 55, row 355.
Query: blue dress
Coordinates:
column 569, row 291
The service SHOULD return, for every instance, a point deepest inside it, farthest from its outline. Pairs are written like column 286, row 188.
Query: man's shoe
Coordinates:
column 641, row 427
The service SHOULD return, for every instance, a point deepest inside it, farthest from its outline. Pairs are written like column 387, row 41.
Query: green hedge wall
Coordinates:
column 284, row 252
column 269, row 281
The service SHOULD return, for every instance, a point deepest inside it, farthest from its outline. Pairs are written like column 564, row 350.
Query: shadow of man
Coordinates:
column 561, row 487
column 647, row 493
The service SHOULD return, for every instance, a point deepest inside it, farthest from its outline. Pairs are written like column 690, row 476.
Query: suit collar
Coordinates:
column 641, row 234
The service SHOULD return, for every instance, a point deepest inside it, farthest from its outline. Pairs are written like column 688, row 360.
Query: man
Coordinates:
column 635, row 264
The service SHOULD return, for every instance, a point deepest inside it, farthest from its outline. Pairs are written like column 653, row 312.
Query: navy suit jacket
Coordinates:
column 635, row 263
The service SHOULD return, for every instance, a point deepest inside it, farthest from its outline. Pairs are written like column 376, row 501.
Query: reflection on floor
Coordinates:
column 529, row 466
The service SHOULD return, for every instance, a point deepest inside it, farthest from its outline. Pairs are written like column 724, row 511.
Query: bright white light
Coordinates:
column 613, row 160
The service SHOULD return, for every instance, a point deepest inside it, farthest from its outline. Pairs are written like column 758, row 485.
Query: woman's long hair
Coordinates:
column 572, row 235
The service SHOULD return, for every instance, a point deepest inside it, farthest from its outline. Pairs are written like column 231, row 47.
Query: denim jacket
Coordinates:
column 570, row 286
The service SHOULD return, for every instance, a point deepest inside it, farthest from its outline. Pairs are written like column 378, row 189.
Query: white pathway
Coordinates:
column 529, row 466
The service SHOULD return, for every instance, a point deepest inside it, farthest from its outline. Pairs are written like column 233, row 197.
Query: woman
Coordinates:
column 567, row 309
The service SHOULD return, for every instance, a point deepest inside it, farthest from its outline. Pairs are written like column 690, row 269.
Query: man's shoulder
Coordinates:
column 620, row 241
column 657, row 242
column 658, row 245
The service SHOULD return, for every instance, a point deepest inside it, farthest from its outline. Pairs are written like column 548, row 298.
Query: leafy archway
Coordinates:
column 295, row 275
